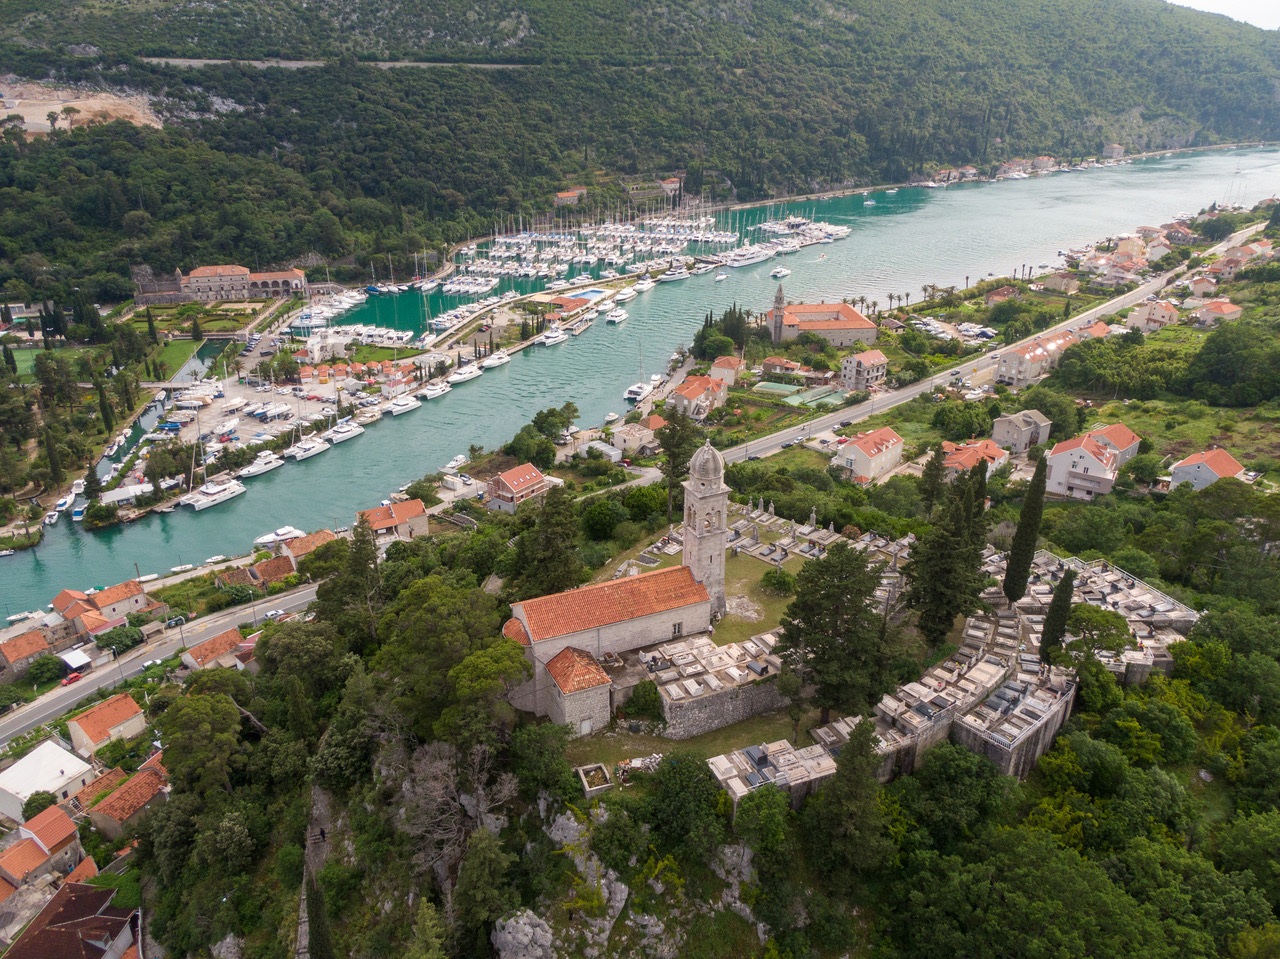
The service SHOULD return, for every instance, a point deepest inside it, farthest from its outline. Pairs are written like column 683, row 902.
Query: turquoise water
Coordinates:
column 905, row 240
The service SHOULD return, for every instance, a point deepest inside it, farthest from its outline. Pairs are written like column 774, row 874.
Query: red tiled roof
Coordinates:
column 22, row 858
column 239, row 576
column 6, row 890
column 113, row 594
column 294, row 274
column 965, row 456
column 215, row 646
column 729, row 363
column 226, row 270
column 871, row 358
column 846, row 316
column 1220, row 461
column 877, row 441
column 603, row 604
column 98, row 721
column 66, row 598
column 388, row 517
column 276, row 568
column 96, row 623
column 86, row 870
column 51, row 828
column 1117, row 435
column 156, row 761
column 21, row 647
column 72, row 925
column 514, row 629
column 108, row 781
column 126, row 801
column 575, row 670
column 653, row 422
column 1086, row 443
column 521, row 477
column 303, row 545
column 696, row 386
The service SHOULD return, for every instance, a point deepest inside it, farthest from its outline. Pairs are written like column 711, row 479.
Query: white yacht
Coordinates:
column 610, row 418
column 265, row 462
column 64, row 504
column 283, row 534
column 637, row 392
column 644, row 284
column 617, row 315
column 457, row 461
column 495, row 359
column 554, row 336
column 626, row 294
column 433, row 390
column 748, row 256
column 721, row 276
column 307, row 448
column 77, row 487
column 778, row 272
column 402, row 404
column 77, row 514
column 465, row 373
column 702, row 268
column 211, row 494
column 680, row 272
column 343, row 432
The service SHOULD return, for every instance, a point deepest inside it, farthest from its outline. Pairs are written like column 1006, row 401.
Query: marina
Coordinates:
column 906, row 240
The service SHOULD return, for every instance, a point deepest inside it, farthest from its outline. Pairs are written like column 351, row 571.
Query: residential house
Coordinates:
column 1097, row 263
column 728, row 368
column 297, row 549
column 635, row 439
column 1178, row 233
column 1024, row 364
column 508, row 490
column 1131, row 246
column 569, row 197
column 1081, row 468
column 56, row 835
column 697, row 396
column 610, row 453
column 79, row 802
column 1095, row 331
column 1018, row 432
column 1149, row 317
column 868, row 456
column 1211, row 314
column 20, row 652
column 106, row 609
column 1149, row 232
column 1002, row 294
column 145, row 789
column 1043, row 163
column 1062, row 282
column 837, row 323
column 611, row 617
column 271, row 570
column 670, row 186
column 216, row 651
column 78, row 923
column 1123, row 441
column 864, row 371
column 962, row 457
column 116, row 718
column 47, row 768
column 653, row 422
column 1203, row 287
column 1205, row 469
column 780, row 366
column 1158, row 250
column 398, row 521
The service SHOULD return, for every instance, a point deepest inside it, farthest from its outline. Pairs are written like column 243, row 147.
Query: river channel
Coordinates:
column 901, row 242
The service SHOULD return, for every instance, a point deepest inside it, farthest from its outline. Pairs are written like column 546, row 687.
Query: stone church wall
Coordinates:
column 693, row 717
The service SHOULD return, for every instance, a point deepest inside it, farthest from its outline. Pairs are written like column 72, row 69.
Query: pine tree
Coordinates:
column 1055, row 620
column 945, row 569
column 1023, row 549
column 319, row 937
column 93, row 485
column 933, row 479
column 51, row 452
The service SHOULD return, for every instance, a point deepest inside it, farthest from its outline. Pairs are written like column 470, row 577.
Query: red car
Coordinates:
column 73, row 678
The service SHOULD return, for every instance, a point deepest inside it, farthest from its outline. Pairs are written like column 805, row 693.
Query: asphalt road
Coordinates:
column 58, row 701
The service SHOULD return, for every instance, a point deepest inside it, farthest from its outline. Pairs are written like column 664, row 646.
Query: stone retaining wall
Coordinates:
column 692, row 717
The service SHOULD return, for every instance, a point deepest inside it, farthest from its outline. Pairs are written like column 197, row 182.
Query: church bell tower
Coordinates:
column 706, row 510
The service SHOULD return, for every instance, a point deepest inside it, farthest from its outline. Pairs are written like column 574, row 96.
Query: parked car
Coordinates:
column 73, row 678
column 273, row 613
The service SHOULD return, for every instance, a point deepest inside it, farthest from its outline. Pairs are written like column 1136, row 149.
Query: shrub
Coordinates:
column 779, row 581
column 646, row 702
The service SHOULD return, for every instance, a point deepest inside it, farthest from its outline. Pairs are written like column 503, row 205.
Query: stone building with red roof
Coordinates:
column 1205, row 469
column 209, row 284
column 20, row 652
column 838, row 323
column 116, row 718
column 397, row 521
column 216, row 651
column 78, row 923
column 148, row 787
column 509, row 489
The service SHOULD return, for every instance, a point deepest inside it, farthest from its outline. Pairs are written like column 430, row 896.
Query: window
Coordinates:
column 677, row 630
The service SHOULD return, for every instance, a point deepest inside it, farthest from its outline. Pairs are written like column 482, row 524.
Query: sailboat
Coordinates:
column 639, row 391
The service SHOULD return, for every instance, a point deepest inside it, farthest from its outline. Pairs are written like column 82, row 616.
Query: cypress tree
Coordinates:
column 1055, row 621
column 319, row 938
column 104, row 407
column 1023, row 549
column 10, row 361
column 93, row 485
column 933, row 479
column 6, row 314
column 51, row 452
column 196, row 333
column 151, row 327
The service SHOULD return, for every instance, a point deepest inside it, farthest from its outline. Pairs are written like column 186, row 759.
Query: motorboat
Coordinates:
column 626, row 294
column 888, row 192
column 644, row 284
column 604, row 306
column 307, row 448
column 64, row 504
column 343, row 432
column 402, row 404
column 465, row 373
column 7, row 552
column 778, row 272
column 219, row 558
column 77, row 514
column 433, row 390
column 702, row 268
column 749, row 255
column 617, row 315
column 77, row 487
column 265, row 462
column 495, row 359
column 868, row 202
column 610, row 418
column 456, row 462
column 637, row 392
column 721, row 276
column 553, row 336
column 680, row 272
column 283, row 534
column 51, row 518
column 211, row 494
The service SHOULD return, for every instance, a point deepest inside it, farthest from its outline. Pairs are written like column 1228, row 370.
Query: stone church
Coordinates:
column 567, row 635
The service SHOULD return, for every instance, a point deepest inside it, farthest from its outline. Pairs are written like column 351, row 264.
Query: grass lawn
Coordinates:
column 175, row 353
column 367, row 353
column 27, row 361
column 611, row 747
